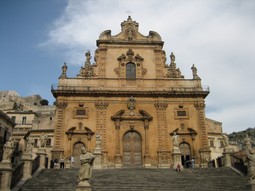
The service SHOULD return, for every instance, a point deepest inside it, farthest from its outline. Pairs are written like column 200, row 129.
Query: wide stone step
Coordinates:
column 141, row 179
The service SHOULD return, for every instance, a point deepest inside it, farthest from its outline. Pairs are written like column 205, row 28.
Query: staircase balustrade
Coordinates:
column 17, row 174
column 36, row 164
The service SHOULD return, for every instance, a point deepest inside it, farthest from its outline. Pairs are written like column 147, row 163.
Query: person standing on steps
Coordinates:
column 62, row 163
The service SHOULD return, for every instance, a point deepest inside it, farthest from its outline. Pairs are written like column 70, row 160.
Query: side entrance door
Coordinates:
column 132, row 149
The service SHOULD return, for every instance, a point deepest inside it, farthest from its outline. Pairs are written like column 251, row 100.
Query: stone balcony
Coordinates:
column 123, row 87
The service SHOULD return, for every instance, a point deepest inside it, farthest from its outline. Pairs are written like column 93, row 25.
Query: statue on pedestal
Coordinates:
column 86, row 160
column 175, row 140
column 30, row 145
column 98, row 141
column 8, row 150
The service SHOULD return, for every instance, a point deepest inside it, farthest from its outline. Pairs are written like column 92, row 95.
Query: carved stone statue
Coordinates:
column 8, row 150
column 175, row 140
column 98, row 141
column 226, row 139
column 88, row 57
column 29, row 145
column 86, row 160
column 43, row 139
column 194, row 72
column 172, row 56
column 247, row 142
column 64, row 69
column 250, row 153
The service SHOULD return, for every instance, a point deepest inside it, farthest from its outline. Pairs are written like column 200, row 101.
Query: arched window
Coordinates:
column 130, row 71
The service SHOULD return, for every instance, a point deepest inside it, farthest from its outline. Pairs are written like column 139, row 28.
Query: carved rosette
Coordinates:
column 127, row 58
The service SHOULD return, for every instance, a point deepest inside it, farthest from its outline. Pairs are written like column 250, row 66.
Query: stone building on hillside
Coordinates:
column 134, row 101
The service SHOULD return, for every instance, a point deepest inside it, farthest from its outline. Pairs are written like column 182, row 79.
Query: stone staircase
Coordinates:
column 141, row 179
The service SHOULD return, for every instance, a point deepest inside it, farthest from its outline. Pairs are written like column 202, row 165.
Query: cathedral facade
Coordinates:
column 133, row 102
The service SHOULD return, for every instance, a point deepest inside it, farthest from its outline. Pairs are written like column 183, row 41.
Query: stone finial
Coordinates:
column 194, row 72
column 64, row 69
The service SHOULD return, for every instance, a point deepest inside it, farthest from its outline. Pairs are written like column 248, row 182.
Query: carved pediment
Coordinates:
column 129, row 32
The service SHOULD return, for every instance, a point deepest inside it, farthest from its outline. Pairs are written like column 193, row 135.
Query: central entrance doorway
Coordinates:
column 76, row 153
column 185, row 154
column 132, row 149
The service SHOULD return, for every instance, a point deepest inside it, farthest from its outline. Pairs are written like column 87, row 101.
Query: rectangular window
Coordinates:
column 36, row 143
column 211, row 143
column 24, row 120
column 181, row 113
column 48, row 142
column 222, row 144
column 13, row 118
column 80, row 112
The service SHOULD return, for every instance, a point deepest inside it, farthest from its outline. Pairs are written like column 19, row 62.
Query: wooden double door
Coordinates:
column 132, row 149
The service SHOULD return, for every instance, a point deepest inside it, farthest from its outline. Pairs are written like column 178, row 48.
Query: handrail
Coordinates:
column 36, row 164
column 17, row 174
column 239, row 164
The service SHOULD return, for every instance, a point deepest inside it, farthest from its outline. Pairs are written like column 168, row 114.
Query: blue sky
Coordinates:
column 218, row 36
column 26, row 67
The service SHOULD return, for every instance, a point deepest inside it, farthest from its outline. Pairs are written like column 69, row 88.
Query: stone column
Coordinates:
column 42, row 153
column 6, row 178
column 147, row 162
column 117, row 156
column 28, row 163
column 227, row 159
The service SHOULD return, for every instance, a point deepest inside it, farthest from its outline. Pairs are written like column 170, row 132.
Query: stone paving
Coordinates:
column 141, row 179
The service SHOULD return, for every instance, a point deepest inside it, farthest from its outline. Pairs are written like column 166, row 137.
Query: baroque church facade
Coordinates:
column 134, row 101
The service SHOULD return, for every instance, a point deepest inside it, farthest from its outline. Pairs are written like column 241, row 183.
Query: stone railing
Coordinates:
column 17, row 174
column 36, row 164
column 238, row 163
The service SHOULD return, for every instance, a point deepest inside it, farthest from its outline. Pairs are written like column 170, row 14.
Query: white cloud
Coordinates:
column 217, row 36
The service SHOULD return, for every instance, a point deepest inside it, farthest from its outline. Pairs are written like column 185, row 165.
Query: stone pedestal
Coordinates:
column 118, row 161
column 176, row 155
column 227, row 159
column 28, row 163
column 147, row 161
column 83, row 186
column 205, row 155
column 98, row 160
column 5, row 179
column 42, row 153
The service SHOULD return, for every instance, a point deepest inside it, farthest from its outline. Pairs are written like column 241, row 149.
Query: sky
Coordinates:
column 218, row 36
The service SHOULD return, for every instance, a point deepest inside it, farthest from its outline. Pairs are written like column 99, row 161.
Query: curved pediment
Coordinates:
column 129, row 33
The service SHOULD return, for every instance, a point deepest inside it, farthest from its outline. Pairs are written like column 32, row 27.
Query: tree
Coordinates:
column 44, row 102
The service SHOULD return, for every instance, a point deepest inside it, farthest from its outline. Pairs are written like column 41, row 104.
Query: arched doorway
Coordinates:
column 185, row 153
column 76, row 153
column 132, row 149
